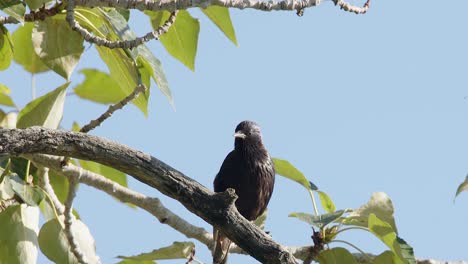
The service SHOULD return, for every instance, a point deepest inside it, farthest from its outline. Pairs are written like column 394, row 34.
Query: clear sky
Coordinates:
column 359, row 103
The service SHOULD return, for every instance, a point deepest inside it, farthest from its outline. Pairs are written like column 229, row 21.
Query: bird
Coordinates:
column 249, row 170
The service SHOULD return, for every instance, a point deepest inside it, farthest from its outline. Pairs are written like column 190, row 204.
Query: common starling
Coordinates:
column 249, row 170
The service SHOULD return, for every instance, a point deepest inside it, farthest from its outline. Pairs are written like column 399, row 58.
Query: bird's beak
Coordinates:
column 240, row 135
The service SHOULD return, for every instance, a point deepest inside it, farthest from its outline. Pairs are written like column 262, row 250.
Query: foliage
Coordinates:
column 376, row 217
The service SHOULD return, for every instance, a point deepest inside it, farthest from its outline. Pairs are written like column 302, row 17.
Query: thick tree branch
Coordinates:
column 125, row 195
column 216, row 209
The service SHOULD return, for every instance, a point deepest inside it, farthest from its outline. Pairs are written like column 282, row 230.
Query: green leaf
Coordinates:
column 124, row 72
column 6, row 190
column 25, row 55
column 58, row 46
column 407, row 251
column 387, row 257
column 13, row 8
column 32, row 195
column 55, row 246
column 150, row 63
column 22, row 167
column 108, row 172
column 327, row 203
column 462, row 187
column 142, row 54
column 18, row 234
column 181, row 39
column 4, row 98
column 380, row 205
column 178, row 250
column 6, row 48
column 336, row 256
column 99, row 87
column 60, row 185
column 319, row 221
column 286, row 169
column 45, row 111
column 386, row 234
column 36, row 4
column 219, row 15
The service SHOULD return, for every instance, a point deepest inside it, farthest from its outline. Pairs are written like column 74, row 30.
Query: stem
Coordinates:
column 311, row 193
column 33, row 86
column 353, row 227
column 355, row 247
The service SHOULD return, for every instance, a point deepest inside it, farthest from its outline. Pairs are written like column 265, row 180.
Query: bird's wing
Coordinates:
column 226, row 177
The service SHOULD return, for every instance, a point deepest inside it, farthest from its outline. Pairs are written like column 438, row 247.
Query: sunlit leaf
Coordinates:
column 55, row 246
column 286, row 169
column 326, row 202
column 58, row 46
column 318, row 220
column 386, row 234
column 36, row 4
column 45, row 111
column 18, row 234
column 181, row 40
column 336, row 255
column 380, row 205
column 5, row 99
column 219, row 15
column 99, row 87
column 24, row 51
column 387, row 257
column 178, row 250
column 108, row 172
column 462, row 187
column 13, row 8
column 6, row 48
column 407, row 251
column 142, row 53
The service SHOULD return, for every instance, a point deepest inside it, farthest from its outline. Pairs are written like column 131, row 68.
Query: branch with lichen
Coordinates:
column 68, row 221
column 173, row 5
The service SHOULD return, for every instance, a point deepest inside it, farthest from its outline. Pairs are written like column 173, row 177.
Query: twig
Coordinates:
column 126, row 44
column 96, row 122
column 44, row 183
column 350, row 8
column 41, row 14
column 74, row 247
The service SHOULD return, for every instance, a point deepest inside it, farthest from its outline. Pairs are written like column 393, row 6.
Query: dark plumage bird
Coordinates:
column 249, row 170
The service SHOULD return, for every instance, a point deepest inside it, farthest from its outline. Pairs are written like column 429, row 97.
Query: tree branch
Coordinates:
column 217, row 209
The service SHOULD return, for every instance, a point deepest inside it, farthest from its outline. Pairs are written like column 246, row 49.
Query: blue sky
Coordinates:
column 359, row 103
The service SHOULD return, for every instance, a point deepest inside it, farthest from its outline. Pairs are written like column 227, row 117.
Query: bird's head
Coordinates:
column 247, row 133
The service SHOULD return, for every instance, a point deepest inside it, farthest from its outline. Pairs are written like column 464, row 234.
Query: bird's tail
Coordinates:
column 221, row 247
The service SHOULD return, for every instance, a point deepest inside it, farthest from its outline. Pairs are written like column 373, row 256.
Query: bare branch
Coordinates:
column 44, row 183
column 216, row 209
column 127, row 44
column 94, row 123
column 74, row 247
